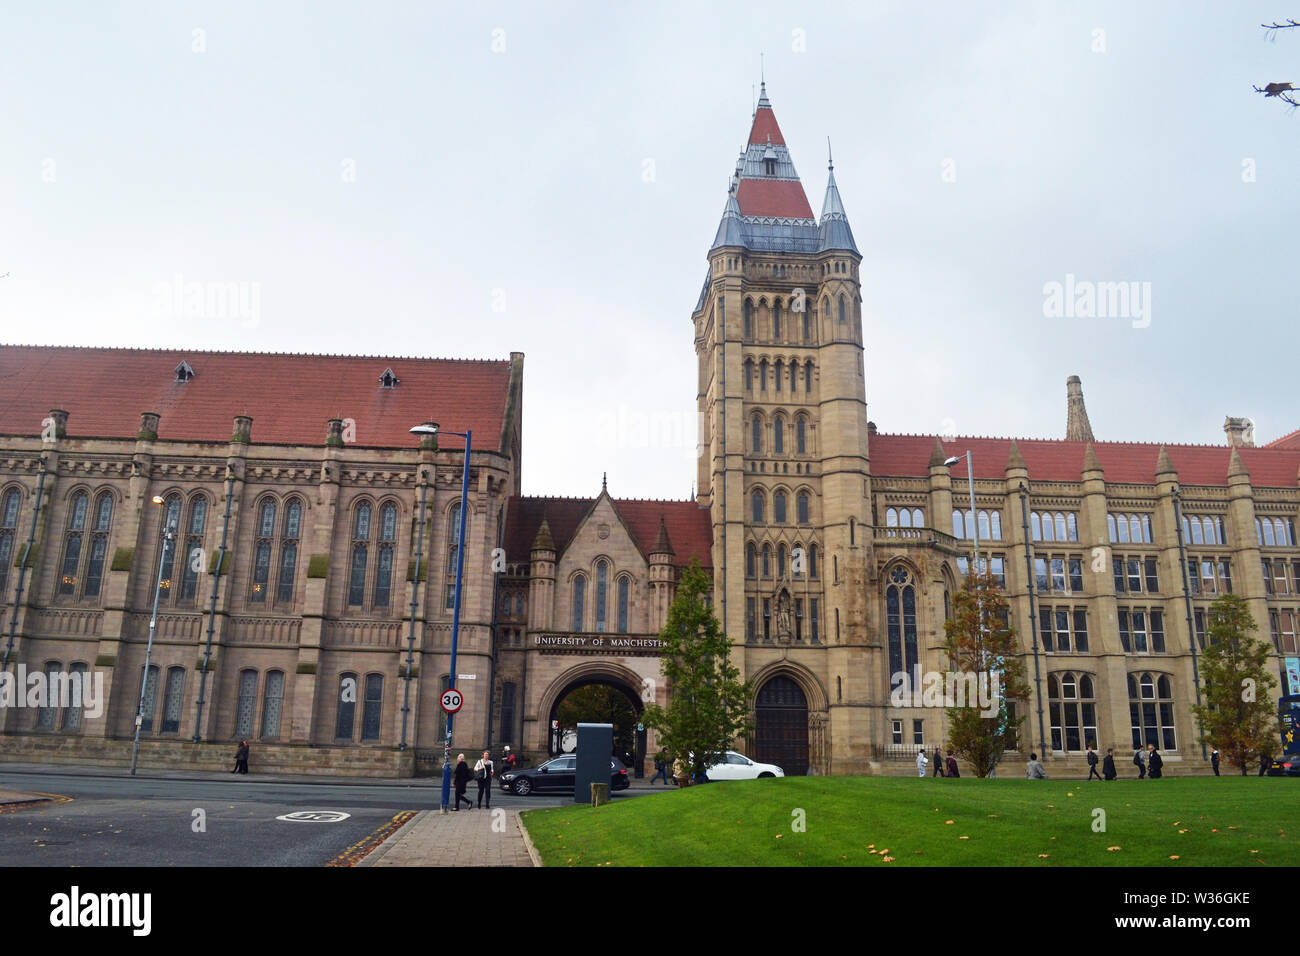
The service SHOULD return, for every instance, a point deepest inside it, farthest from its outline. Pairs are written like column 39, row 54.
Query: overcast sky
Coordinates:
column 468, row 180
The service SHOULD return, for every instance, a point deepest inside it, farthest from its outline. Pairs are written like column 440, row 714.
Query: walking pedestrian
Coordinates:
column 1139, row 760
column 1108, row 765
column 1092, row 762
column 241, row 758
column 483, row 774
column 461, row 777
column 1214, row 760
column 921, row 763
column 951, row 765
column 1154, row 762
column 1035, row 770
column 661, row 768
column 1265, row 761
column 938, row 762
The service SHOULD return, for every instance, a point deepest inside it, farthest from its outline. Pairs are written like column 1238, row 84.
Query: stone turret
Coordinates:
column 1077, row 426
column 541, row 585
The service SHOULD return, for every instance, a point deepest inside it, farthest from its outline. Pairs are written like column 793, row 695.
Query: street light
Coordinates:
column 168, row 532
column 429, row 429
column 974, row 517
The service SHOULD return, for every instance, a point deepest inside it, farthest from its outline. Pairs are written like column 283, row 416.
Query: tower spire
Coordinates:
column 1077, row 426
column 835, row 231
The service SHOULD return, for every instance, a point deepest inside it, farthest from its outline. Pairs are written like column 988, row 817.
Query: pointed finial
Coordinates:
column 1235, row 466
column 937, row 455
column 830, row 161
column 603, row 476
column 1090, row 460
column 761, row 77
column 1164, row 464
column 1014, row 458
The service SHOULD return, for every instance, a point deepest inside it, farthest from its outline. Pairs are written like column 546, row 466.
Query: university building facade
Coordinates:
column 291, row 612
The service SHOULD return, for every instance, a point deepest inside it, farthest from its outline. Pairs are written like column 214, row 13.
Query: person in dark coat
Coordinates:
column 461, row 777
column 1092, row 762
column 1214, row 760
column 1139, row 760
column 938, row 762
column 241, row 758
column 951, row 765
column 1154, row 762
column 1108, row 765
column 1265, row 761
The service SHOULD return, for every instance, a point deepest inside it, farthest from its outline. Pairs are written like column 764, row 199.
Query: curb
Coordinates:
column 528, row 840
column 74, row 770
column 390, row 841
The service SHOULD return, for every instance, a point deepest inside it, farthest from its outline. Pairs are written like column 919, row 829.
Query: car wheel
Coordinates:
column 523, row 787
column 766, row 773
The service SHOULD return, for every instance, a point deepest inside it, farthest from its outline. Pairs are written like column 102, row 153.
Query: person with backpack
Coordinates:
column 1092, row 762
column 1140, row 763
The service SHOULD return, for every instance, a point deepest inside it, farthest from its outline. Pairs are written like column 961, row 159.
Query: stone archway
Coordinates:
column 607, row 673
column 790, row 713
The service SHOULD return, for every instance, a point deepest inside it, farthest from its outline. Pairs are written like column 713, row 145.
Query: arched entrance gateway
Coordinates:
column 598, row 691
column 781, row 726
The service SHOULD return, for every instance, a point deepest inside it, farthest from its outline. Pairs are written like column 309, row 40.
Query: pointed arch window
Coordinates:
column 767, row 560
column 778, row 507
column 272, row 703
column 749, row 319
column 347, row 709
column 812, row 561
column 801, row 507
column 262, row 553
column 290, row 533
column 751, row 556
column 167, row 549
column 807, row 375
column 749, row 375
column 776, row 320
column 624, row 594
column 9, row 508
column 842, row 309
column 247, row 705
column 579, row 600
column 762, row 375
column 756, row 434
column 780, row 374
column 780, row 561
column 801, row 435
column 1073, row 706
column 98, row 543
column 794, row 377
column 602, row 591
column 900, row 613
column 360, row 555
column 387, row 542
column 191, row 553
column 372, row 712
column 807, row 328
column 778, row 436
column 72, row 541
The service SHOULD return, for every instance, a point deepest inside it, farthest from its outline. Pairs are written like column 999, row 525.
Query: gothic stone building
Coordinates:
column 295, row 486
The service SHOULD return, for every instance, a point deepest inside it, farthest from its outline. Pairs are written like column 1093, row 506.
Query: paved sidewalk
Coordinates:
column 465, row 838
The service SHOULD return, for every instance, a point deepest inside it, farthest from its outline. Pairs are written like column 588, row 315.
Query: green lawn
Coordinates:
column 1224, row 821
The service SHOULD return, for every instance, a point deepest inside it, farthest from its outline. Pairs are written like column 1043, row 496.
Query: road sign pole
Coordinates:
column 455, row 620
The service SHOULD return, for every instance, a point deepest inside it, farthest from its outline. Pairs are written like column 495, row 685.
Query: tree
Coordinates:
column 709, row 705
column 1237, row 717
column 1284, row 91
column 981, row 644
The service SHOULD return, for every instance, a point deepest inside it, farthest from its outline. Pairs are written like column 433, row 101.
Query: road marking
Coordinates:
column 315, row 816
column 357, row 851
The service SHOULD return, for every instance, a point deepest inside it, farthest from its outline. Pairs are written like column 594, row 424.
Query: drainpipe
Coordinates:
column 22, row 570
column 1033, row 612
column 212, row 606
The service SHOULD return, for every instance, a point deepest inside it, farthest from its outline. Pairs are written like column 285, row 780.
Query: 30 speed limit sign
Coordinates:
column 451, row 701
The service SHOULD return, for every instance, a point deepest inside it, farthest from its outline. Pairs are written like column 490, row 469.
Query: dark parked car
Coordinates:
column 558, row 774
column 1286, row 767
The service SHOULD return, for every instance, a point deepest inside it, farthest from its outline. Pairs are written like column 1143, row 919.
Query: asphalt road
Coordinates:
column 126, row 821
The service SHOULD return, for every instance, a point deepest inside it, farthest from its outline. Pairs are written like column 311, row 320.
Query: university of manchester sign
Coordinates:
column 601, row 643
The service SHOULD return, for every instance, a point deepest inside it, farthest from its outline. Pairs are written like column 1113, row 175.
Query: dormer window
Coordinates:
column 388, row 379
column 769, row 158
column 184, row 372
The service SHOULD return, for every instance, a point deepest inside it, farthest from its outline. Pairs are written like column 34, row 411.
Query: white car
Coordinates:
column 739, row 767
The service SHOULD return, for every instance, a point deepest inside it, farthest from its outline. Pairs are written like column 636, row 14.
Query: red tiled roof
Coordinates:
column 1050, row 460
column 290, row 397
column 690, row 529
column 1289, row 440
column 784, row 198
column 765, row 126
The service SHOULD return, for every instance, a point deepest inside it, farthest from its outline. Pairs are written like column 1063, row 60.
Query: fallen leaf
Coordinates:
column 888, row 859
column 1112, row 849
column 1174, row 857
column 963, row 838
column 949, row 821
column 779, row 835
column 1043, row 856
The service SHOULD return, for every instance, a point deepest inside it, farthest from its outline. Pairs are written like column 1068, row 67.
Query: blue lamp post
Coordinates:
column 431, row 428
